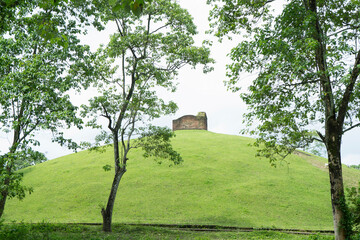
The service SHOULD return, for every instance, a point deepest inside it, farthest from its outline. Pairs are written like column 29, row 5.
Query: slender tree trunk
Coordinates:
column 120, row 169
column 107, row 213
column 336, row 184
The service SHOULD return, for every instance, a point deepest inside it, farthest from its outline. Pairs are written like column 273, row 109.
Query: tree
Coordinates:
column 148, row 51
column 307, row 63
column 34, row 79
column 10, row 8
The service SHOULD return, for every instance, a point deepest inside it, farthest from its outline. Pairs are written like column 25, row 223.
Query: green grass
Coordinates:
column 77, row 232
column 220, row 182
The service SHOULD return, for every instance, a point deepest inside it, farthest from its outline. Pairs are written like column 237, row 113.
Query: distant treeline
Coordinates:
column 355, row 166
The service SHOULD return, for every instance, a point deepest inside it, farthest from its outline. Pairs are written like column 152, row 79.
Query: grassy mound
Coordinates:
column 220, row 182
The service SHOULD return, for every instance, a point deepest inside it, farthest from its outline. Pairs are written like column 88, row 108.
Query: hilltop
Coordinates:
column 220, row 182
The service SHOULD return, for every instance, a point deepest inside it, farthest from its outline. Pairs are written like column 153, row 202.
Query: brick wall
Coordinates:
column 189, row 122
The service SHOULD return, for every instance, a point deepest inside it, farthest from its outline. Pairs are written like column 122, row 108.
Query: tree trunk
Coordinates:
column 120, row 169
column 107, row 213
column 4, row 195
column 337, row 196
column 336, row 185
column 5, row 192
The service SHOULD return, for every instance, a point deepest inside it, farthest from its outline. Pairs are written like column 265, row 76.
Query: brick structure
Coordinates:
column 191, row 122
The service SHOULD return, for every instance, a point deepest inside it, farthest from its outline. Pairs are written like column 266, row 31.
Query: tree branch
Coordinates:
column 128, row 98
column 286, row 85
column 118, row 27
column 349, row 90
column 107, row 115
column 353, row 126
column 122, row 33
column 27, row 133
column 147, row 35
column 340, row 31
column 164, row 26
column 321, row 136
column 320, row 54
column 316, row 139
column 124, row 75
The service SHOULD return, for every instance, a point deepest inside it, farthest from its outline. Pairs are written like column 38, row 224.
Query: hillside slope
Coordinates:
column 220, row 182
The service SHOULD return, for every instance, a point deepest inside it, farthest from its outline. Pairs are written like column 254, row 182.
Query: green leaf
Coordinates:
column 113, row 2
column 116, row 7
column 137, row 7
column 107, row 168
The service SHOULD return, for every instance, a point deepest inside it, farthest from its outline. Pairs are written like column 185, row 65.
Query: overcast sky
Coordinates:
column 197, row 92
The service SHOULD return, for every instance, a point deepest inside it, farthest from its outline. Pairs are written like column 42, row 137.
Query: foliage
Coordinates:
column 79, row 232
column 15, row 232
column 11, row 182
column 135, row 6
column 307, row 63
column 27, row 158
column 35, row 66
column 316, row 147
column 155, row 141
column 147, row 53
column 9, row 9
column 347, row 219
column 353, row 197
column 286, row 97
column 7, row 13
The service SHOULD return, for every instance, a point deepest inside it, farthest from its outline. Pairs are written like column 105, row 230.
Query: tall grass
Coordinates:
column 79, row 232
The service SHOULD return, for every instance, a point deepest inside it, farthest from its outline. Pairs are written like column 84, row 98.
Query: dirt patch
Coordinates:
column 296, row 152
column 311, row 159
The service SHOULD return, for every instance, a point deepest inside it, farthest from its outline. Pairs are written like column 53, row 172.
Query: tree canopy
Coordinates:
column 10, row 9
column 38, row 50
column 306, row 60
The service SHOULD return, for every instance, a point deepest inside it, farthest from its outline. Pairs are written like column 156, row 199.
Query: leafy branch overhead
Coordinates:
column 134, row 6
column 9, row 9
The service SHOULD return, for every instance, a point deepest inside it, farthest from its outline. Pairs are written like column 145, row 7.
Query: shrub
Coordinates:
column 353, row 197
column 14, row 231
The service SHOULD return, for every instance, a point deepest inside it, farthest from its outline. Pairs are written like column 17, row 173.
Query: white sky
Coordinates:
column 197, row 92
